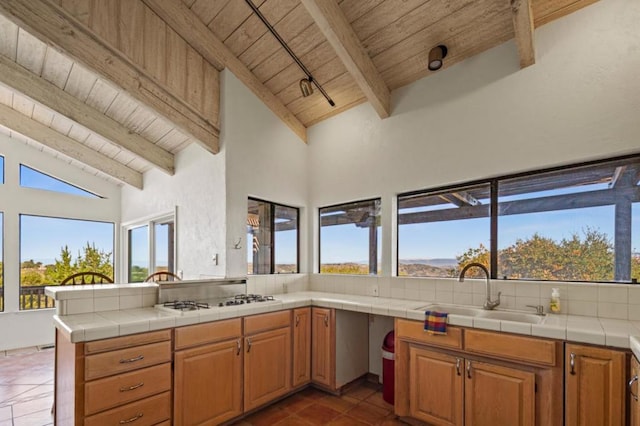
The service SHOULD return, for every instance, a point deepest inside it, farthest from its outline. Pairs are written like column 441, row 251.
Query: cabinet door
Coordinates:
column 301, row 346
column 208, row 384
column 496, row 395
column 436, row 387
column 594, row 386
column 634, row 390
column 323, row 367
column 267, row 366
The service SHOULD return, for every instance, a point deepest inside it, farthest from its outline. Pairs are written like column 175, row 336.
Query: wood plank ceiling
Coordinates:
column 358, row 50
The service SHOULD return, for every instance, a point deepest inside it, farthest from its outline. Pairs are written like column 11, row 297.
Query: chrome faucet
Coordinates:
column 488, row 303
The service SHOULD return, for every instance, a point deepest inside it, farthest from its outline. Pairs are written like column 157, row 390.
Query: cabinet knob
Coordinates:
column 572, row 364
column 634, row 379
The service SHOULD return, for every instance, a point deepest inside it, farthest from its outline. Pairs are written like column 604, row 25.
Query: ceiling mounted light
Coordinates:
column 305, row 86
column 436, row 57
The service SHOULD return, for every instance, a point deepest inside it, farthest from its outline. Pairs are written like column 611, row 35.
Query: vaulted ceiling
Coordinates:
column 119, row 86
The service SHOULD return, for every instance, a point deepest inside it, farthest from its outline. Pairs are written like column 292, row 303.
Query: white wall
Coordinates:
column 198, row 191
column 265, row 159
column 486, row 117
column 29, row 328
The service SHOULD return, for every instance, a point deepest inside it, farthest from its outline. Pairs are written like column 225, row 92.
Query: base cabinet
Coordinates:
column 323, row 367
column 301, row 355
column 634, row 389
column 594, row 386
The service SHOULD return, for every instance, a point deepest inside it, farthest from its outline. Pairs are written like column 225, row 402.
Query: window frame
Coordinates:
column 272, row 208
column 150, row 222
column 378, row 236
column 494, row 213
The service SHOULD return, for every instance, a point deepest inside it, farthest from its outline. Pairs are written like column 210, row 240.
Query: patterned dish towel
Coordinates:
column 435, row 322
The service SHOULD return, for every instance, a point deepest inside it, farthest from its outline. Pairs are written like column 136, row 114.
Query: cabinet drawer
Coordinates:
column 108, row 363
column 147, row 412
column 263, row 322
column 102, row 394
column 194, row 335
column 414, row 330
column 517, row 348
column 126, row 341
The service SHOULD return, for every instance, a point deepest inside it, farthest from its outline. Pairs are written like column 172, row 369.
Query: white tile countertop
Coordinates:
column 100, row 325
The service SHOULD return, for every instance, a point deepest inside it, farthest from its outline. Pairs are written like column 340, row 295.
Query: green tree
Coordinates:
column 30, row 277
column 30, row 264
column 90, row 259
column 473, row 255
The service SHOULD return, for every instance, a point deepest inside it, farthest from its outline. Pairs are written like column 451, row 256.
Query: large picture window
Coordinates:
column 52, row 249
column 1, row 262
column 350, row 238
column 577, row 223
column 272, row 236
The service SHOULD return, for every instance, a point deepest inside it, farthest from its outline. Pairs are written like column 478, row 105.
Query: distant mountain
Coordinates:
column 440, row 263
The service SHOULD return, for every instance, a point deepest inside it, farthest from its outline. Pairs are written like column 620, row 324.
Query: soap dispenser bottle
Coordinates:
column 554, row 305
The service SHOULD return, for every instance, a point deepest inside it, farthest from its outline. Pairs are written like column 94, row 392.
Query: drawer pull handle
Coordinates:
column 458, row 366
column 239, row 346
column 297, row 320
column 130, row 388
column 572, row 364
column 248, row 345
column 634, row 379
column 469, row 369
column 326, row 320
column 126, row 361
column 132, row 419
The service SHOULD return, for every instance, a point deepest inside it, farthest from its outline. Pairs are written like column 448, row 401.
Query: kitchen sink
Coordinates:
column 472, row 311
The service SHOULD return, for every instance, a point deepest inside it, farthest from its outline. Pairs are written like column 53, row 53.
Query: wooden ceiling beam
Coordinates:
column 40, row 133
column 340, row 34
column 51, row 96
column 523, row 26
column 53, row 25
column 183, row 21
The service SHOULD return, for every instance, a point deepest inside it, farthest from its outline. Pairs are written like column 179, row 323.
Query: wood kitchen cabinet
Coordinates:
column 301, row 347
column 118, row 380
column 594, row 386
column 208, row 373
column 436, row 393
column 323, row 361
column 267, row 358
column 475, row 377
column 634, row 392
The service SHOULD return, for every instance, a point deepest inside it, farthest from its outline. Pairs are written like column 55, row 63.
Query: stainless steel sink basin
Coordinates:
column 472, row 311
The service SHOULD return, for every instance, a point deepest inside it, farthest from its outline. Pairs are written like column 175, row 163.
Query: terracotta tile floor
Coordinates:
column 361, row 405
column 26, row 387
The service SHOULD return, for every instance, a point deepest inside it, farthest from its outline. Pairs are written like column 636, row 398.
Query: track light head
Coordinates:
column 305, row 87
column 436, row 57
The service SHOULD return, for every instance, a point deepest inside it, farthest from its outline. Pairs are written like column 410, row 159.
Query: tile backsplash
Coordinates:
column 277, row 283
column 619, row 301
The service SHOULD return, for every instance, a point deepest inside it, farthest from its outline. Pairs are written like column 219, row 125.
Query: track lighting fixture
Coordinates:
column 306, row 86
column 436, row 57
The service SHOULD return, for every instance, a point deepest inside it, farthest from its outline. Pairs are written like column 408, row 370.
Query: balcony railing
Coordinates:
column 33, row 297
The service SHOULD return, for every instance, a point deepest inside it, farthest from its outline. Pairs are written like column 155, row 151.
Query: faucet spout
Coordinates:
column 488, row 303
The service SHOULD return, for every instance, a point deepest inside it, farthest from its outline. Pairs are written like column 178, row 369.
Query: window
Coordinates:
column 31, row 178
column 150, row 248
column 349, row 238
column 272, row 230
column 437, row 230
column 578, row 223
column 51, row 249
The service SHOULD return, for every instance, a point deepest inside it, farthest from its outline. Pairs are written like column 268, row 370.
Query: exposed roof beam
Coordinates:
column 523, row 28
column 53, row 25
column 616, row 176
column 51, row 96
column 466, row 198
column 30, row 128
column 190, row 27
column 336, row 28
